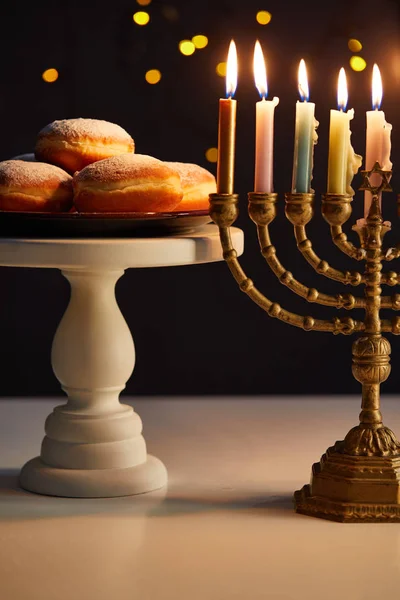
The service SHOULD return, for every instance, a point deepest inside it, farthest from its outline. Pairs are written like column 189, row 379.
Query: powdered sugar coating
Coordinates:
column 191, row 174
column 21, row 174
column 124, row 167
column 96, row 129
column 29, row 157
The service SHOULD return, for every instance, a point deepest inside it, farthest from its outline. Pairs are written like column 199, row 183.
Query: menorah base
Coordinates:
column 352, row 489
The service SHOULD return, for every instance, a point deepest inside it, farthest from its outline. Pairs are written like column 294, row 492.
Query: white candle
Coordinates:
column 378, row 138
column 305, row 137
column 343, row 163
column 265, row 109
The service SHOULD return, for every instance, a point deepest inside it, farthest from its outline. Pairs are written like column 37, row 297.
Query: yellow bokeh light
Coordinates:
column 143, row 2
column 263, row 17
column 212, row 155
column 200, row 41
column 354, row 45
column 153, row 76
column 220, row 69
column 50, row 75
column 141, row 17
column 187, row 47
column 357, row 63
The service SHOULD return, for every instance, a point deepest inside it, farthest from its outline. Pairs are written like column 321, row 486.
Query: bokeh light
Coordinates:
column 212, row 155
column 141, row 17
column 187, row 47
column 357, row 63
column 354, row 45
column 50, row 75
column 153, row 76
column 220, row 69
column 263, row 17
column 143, row 2
column 200, row 41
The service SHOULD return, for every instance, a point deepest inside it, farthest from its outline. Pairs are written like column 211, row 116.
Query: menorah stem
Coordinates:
column 371, row 352
column 370, row 406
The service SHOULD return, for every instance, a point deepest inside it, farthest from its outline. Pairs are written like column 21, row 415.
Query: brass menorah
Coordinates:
column 357, row 479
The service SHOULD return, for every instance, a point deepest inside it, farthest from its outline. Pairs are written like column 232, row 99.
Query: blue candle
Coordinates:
column 305, row 137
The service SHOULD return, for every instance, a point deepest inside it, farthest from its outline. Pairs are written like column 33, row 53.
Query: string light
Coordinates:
column 141, row 17
column 50, row 75
column 263, row 17
column 187, row 47
column 354, row 45
column 357, row 63
column 153, row 76
column 212, row 155
column 220, row 69
column 200, row 41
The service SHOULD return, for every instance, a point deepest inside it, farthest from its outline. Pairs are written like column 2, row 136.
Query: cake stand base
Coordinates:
column 40, row 478
column 93, row 444
column 352, row 489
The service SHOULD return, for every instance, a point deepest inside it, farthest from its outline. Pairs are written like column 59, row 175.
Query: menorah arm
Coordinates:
column 392, row 302
column 391, row 325
column 299, row 211
column 337, row 325
column 347, row 301
column 340, row 240
column 304, row 244
column 390, row 278
column 391, row 253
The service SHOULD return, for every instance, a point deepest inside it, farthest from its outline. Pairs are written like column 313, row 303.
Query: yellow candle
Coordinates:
column 227, row 127
column 343, row 163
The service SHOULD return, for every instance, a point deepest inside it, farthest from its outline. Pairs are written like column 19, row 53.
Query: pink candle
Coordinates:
column 265, row 109
column 378, row 138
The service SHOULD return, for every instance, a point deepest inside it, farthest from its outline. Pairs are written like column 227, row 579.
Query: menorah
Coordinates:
column 357, row 479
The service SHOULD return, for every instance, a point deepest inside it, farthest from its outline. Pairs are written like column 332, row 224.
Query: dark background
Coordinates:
column 195, row 333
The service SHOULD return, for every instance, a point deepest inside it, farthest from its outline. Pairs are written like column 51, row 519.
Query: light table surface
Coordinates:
column 224, row 529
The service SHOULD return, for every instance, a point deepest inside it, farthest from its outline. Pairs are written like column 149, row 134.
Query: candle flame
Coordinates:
column 231, row 70
column 342, row 94
column 377, row 91
column 260, row 71
column 303, row 82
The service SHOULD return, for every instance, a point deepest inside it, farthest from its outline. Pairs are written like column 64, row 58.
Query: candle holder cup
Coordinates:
column 358, row 478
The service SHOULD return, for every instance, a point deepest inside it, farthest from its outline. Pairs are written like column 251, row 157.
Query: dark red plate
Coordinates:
column 74, row 224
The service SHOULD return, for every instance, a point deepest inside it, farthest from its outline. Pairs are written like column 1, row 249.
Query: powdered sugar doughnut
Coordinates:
column 127, row 183
column 34, row 186
column 72, row 144
column 197, row 183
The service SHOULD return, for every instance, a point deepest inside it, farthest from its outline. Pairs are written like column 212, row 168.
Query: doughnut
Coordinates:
column 72, row 144
column 127, row 183
column 34, row 186
column 197, row 184
column 29, row 157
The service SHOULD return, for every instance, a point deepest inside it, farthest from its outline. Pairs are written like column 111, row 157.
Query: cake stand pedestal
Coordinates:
column 93, row 445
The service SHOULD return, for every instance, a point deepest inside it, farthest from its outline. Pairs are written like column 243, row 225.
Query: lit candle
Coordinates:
column 305, row 136
column 343, row 163
column 227, row 127
column 265, row 109
column 378, row 138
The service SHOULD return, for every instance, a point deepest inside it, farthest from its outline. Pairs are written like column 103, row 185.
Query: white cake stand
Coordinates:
column 93, row 445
